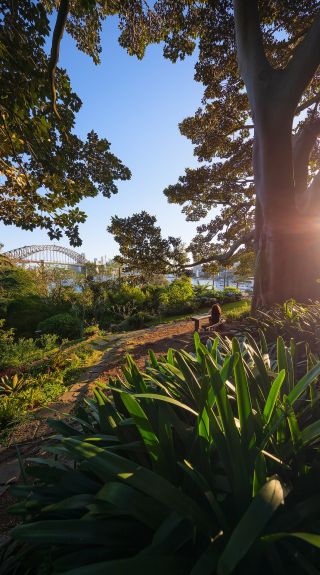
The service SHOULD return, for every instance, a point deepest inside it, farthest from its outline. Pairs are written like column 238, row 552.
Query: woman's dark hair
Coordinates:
column 215, row 313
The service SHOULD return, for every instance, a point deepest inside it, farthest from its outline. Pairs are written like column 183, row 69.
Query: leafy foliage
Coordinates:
column 205, row 463
column 221, row 129
column 64, row 325
column 40, row 382
column 290, row 320
column 142, row 248
column 46, row 169
column 178, row 297
column 20, row 352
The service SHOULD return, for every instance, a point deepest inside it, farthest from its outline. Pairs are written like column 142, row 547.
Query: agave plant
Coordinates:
column 10, row 385
column 203, row 464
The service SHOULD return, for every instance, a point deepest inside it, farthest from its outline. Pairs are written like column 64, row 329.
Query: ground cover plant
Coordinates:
column 40, row 383
column 15, row 353
column 204, row 463
column 290, row 320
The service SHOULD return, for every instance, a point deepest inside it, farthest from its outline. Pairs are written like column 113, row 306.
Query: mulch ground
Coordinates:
column 159, row 339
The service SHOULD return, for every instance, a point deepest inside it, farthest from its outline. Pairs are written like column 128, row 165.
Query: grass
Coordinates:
column 236, row 309
column 233, row 310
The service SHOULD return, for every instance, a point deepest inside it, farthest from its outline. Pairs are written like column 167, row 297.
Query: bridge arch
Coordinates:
column 50, row 253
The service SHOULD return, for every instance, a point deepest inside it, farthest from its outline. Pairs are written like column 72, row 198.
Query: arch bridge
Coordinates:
column 47, row 255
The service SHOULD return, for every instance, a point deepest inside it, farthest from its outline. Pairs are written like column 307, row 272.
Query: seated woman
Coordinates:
column 215, row 315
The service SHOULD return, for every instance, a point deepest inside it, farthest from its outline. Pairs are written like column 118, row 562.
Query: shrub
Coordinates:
column 178, row 297
column 204, row 464
column 25, row 313
column 127, row 294
column 63, row 325
column 230, row 294
column 20, row 353
column 138, row 320
column 91, row 330
column 205, row 295
column 42, row 384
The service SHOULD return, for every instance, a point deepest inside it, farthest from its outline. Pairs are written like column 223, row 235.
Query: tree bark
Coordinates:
column 287, row 240
column 287, row 235
column 287, row 264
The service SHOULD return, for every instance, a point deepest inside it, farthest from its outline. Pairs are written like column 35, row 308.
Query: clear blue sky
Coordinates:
column 137, row 106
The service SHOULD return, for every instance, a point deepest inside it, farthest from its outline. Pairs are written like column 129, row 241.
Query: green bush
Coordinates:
column 22, row 352
column 91, row 330
column 178, row 297
column 138, row 320
column 231, row 294
column 127, row 293
column 25, row 313
column 206, row 295
column 40, row 385
column 63, row 325
column 204, row 464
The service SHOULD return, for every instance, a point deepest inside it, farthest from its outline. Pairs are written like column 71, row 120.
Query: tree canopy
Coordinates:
column 46, row 168
column 276, row 47
column 222, row 128
column 143, row 250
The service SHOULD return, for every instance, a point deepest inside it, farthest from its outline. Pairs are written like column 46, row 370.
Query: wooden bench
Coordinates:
column 199, row 318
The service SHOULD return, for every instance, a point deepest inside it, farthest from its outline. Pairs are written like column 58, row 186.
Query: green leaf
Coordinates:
column 165, row 399
column 143, row 424
column 136, row 566
column 311, row 538
column 132, row 502
column 310, row 433
column 293, row 425
column 282, row 361
column 189, row 376
column 250, row 526
column 108, row 416
column 153, row 359
column 109, row 466
column 273, row 395
column 243, row 396
column 77, row 531
column 260, row 473
column 303, row 383
column 260, row 363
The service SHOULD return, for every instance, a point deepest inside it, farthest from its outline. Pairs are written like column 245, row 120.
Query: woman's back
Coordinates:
column 215, row 313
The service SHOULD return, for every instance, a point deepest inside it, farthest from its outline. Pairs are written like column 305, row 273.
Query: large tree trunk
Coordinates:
column 287, row 229
column 287, row 264
column 287, row 241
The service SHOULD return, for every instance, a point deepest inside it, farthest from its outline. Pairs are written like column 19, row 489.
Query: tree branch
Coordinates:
column 303, row 143
column 304, row 62
column 223, row 258
column 308, row 103
column 309, row 202
column 55, row 49
column 252, row 59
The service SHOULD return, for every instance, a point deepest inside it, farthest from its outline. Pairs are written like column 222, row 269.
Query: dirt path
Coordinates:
column 159, row 339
